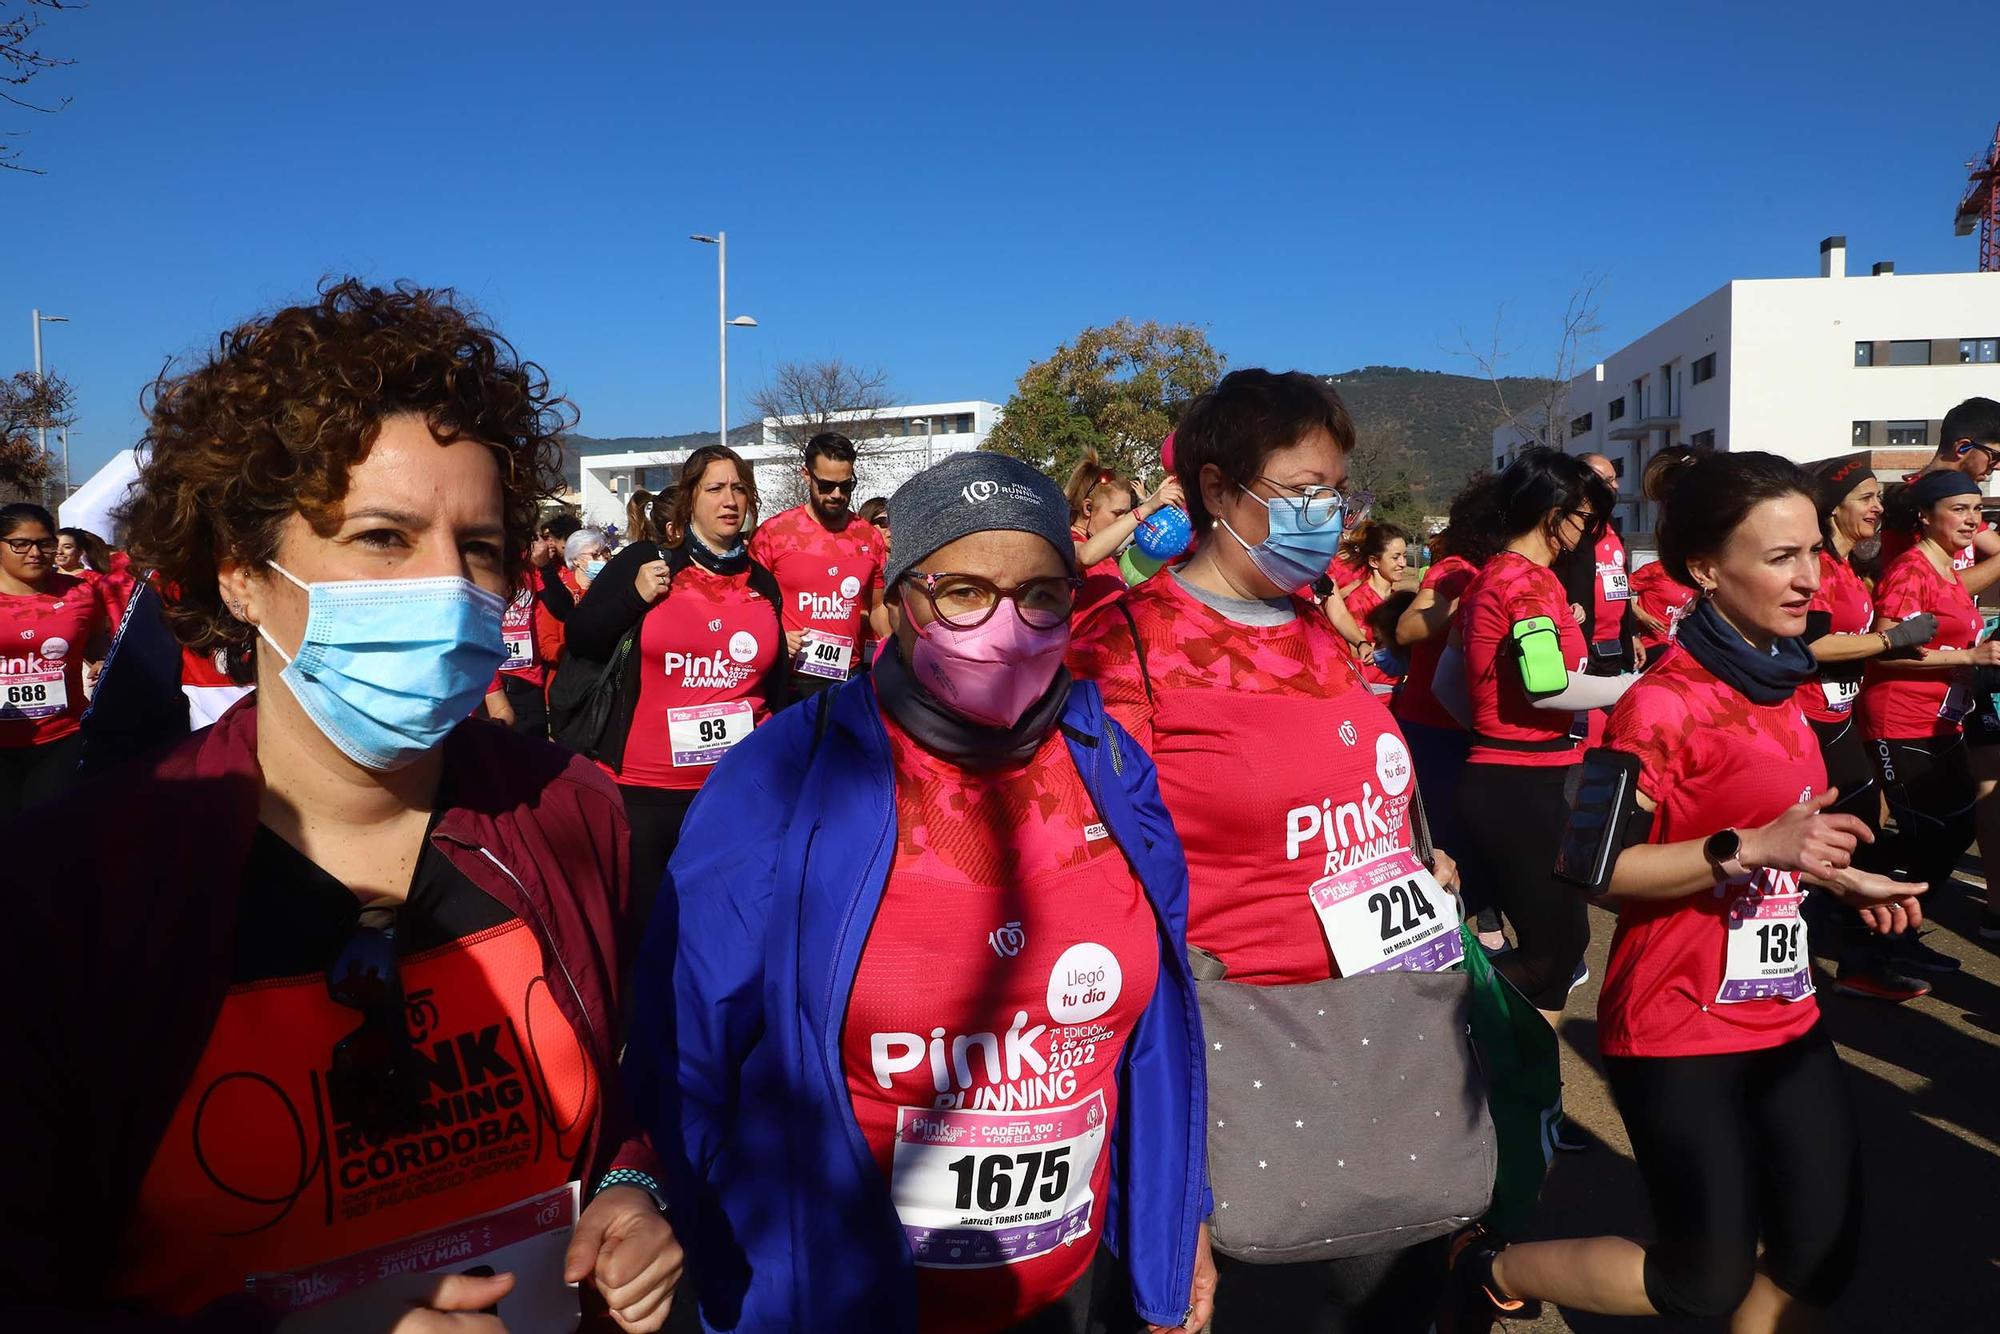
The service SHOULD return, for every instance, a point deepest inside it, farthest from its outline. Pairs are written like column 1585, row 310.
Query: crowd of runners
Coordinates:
column 1140, row 905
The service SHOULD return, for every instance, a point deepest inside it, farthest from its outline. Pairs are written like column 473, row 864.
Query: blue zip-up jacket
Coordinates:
column 734, row 1063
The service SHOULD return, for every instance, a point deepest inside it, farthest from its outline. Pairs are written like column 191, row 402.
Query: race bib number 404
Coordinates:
column 827, row 655
column 1389, row 915
column 976, row 1189
column 34, row 695
column 1766, row 956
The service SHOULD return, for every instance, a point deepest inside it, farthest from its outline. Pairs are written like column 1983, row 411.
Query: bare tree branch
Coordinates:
column 804, row 398
column 22, row 60
column 1546, row 419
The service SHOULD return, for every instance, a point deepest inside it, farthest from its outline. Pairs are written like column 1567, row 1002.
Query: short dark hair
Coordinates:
column 1380, row 535
column 560, row 526
column 875, row 510
column 25, row 512
column 1471, row 532
column 1706, row 498
column 1544, row 479
column 1976, row 419
column 1248, row 416
column 829, row 445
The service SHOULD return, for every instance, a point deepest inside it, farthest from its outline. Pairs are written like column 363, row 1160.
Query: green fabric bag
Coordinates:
column 1517, row 1049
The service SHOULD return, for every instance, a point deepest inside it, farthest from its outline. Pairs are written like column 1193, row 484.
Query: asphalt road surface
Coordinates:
column 1925, row 1077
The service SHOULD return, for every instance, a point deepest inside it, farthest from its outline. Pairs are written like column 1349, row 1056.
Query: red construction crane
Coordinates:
column 1982, row 205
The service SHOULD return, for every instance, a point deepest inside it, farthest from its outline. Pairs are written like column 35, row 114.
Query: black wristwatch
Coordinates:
column 1724, row 850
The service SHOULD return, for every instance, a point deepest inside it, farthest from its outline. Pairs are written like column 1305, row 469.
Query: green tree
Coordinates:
column 1117, row 390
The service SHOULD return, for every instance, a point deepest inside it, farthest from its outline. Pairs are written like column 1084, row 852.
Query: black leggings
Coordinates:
column 1393, row 1292
column 1513, row 816
column 655, row 815
column 530, row 705
column 1738, row 1145
column 30, row 775
column 1930, row 791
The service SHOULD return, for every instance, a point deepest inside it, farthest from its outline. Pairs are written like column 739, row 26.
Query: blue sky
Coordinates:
column 950, row 191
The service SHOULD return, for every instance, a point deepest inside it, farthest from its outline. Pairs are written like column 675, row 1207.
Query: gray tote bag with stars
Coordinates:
column 1346, row 1117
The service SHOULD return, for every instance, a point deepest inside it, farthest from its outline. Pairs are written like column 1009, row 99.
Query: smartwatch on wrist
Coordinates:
column 1724, row 850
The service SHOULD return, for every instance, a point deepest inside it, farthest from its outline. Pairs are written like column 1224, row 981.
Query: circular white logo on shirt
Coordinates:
column 1084, row 984
column 1392, row 764
column 743, row 646
column 850, row 586
column 55, row 650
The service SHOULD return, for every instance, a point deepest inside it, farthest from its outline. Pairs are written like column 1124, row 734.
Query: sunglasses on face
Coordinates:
column 21, row 546
column 827, row 488
column 373, row 1079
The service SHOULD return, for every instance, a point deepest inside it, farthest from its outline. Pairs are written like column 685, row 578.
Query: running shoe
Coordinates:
column 1882, row 983
column 1989, row 924
column 1911, row 952
column 1568, row 1137
column 1472, row 1300
column 1581, row 975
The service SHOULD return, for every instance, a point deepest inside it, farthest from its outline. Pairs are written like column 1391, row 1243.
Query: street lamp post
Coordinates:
column 930, row 428
column 42, row 431
column 722, row 325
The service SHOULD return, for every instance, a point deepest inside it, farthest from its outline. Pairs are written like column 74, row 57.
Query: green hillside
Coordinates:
column 1446, row 419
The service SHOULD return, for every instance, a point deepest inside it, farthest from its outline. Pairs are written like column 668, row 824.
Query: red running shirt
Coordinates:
column 1362, row 601
column 1829, row 697
column 43, row 639
column 259, row 1171
column 1011, row 956
column 1901, row 704
column 1610, row 587
column 1662, row 597
column 1278, row 766
column 705, row 650
column 1712, row 760
column 1510, row 589
column 1416, row 702
column 1344, row 573
column 1101, row 582
column 825, row 578
column 517, row 633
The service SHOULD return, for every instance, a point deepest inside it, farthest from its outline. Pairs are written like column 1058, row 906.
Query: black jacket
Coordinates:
column 611, row 608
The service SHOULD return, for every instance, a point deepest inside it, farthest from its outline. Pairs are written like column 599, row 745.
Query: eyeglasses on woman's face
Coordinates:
column 967, row 601
column 21, row 546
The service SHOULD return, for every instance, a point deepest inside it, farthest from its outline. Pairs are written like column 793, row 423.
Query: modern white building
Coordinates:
column 1803, row 367
column 901, row 442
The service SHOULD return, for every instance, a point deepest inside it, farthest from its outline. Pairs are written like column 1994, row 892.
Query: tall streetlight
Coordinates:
column 42, row 431
column 930, row 428
column 722, row 324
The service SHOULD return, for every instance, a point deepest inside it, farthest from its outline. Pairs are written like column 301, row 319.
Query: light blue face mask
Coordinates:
column 387, row 667
column 593, row 568
column 1304, row 538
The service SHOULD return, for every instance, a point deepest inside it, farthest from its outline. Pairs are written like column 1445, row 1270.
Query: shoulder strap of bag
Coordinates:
column 1139, row 648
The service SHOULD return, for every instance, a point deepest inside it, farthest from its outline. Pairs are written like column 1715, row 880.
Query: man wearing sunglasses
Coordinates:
column 828, row 563
column 1968, row 442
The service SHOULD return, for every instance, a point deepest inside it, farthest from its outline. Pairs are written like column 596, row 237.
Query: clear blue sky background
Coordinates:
column 950, row 191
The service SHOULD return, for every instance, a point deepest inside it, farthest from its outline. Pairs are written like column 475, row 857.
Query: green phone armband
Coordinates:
column 1538, row 649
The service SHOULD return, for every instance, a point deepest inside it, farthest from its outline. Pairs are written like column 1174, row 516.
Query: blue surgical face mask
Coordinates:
column 1304, row 538
column 387, row 667
column 593, row 568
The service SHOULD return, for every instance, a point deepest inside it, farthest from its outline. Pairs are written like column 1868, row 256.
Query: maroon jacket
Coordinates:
column 124, row 900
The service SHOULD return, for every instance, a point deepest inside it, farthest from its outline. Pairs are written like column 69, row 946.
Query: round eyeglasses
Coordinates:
column 966, row 601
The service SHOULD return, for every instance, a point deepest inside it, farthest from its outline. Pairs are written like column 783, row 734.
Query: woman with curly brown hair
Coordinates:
column 372, row 942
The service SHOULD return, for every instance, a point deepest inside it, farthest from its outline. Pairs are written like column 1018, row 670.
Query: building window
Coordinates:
column 1702, row 440
column 1704, row 369
column 1864, row 354
column 1909, row 435
column 1861, row 435
column 1616, row 410
column 1979, row 349
column 1910, row 352
column 1579, row 425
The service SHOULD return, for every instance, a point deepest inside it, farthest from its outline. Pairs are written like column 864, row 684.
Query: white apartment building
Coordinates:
column 1803, row 367
column 901, row 442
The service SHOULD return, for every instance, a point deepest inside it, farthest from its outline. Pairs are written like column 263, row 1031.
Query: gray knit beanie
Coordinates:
column 978, row 492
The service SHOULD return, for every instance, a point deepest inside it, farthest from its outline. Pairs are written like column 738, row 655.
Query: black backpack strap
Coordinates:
column 1139, row 648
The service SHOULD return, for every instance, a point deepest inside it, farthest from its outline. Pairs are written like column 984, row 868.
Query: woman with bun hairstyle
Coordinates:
column 1104, row 512
column 1732, row 1093
column 1522, row 662
column 1911, row 709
